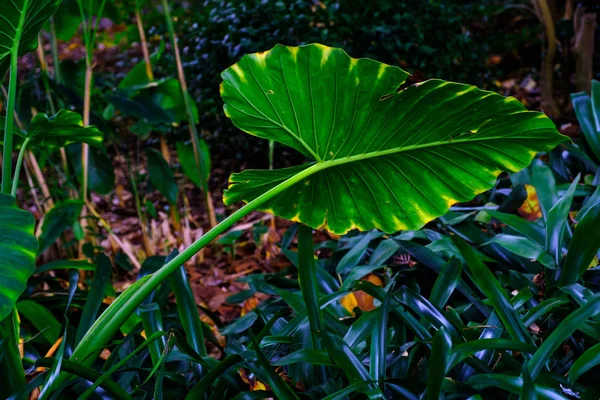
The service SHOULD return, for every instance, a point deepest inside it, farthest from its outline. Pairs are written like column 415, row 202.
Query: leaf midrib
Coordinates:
column 397, row 150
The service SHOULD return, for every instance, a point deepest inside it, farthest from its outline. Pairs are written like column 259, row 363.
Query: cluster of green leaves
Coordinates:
column 473, row 303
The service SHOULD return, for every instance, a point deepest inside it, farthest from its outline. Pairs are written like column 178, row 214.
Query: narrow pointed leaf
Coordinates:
column 446, row 283
column 585, row 362
column 524, row 247
column 512, row 384
column 489, row 285
column 381, row 157
column 583, row 247
column 311, row 356
column 556, row 223
column 438, row 362
column 573, row 321
column 95, row 296
column 18, row 248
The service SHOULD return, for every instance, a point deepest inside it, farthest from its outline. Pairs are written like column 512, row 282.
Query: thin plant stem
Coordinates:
column 143, row 42
column 188, row 107
column 110, row 321
column 55, row 58
column 10, row 107
column 15, row 183
column 14, row 377
column 85, row 148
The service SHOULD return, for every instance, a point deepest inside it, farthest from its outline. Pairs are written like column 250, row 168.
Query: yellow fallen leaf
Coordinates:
column 530, row 209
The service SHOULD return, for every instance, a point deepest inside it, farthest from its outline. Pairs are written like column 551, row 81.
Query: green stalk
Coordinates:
column 307, row 277
column 10, row 108
column 117, row 313
column 15, row 183
column 13, row 376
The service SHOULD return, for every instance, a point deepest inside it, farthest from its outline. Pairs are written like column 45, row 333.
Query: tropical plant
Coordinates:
column 369, row 139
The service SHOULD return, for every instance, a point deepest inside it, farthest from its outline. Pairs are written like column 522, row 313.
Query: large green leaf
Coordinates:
column 60, row 130
column 18, row 248
column 20, row 23
column 383, row 156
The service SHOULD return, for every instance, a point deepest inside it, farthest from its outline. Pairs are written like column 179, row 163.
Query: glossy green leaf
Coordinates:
column 95, row 296
column 446, row 283
column 464, row 350
column 18, row 249
column 188, row 311
column 106, row 375
column 161, row 176
column 556, row 223
column 381, row 157
column 41, row 318
column 585, row 362
column 88, row 374
column 562, row 332
column 357, row 252
column 583, row 247
column 529, row 391
column 590, row 202
column 384, row 251
column 380, row 341
column 309, row 286
column 344, row 358
column 311, row 356
column 21, row 22
column 216, row 372
column 524, row 247
column 545, row 186
column 185, row 152
column 489, row 285
column 151, row 317
column 280, row 388
column 531, row 230
column 60, row 130
column 438, row 362
column 542, row 309
column 426, row 310
column 512, row 384
column 60, row 218
column 436, row 263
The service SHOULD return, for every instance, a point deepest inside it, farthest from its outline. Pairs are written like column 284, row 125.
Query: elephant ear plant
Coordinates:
column 382, row 155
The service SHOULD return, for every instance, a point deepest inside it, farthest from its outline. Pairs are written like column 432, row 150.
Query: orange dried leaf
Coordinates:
column 249, row 305
column 250, row 379
column 530, row 209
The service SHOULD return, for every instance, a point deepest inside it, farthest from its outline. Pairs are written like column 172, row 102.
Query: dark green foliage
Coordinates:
column 449, row 40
